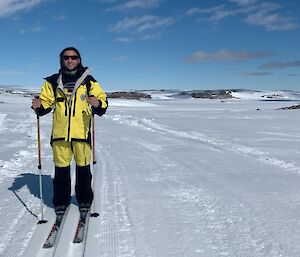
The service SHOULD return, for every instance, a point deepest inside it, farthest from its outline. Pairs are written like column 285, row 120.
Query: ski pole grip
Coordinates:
column 36, row 110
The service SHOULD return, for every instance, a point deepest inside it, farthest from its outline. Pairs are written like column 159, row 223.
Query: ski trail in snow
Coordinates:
column 236, row 224
column 20, row 152
column 93, row 236
column 19, row 239
column 2, row 117
column 230, row 229
column 217, row 144
column 116, row 237
column 207, row 212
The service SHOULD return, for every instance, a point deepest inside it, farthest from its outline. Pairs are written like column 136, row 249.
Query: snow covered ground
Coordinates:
column 174, row 178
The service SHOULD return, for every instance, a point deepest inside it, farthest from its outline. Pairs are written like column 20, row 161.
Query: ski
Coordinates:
column 81, row 226
column 54, row 232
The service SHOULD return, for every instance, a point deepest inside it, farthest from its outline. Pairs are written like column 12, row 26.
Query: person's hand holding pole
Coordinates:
column 93, row 101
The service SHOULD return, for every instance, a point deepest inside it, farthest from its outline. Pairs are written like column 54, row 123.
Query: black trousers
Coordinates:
column 62, row 186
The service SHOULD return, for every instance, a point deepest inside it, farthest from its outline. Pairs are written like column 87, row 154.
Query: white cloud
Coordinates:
column 135, row 4
column 255, row 74
column 217, row 13
column 107, row 1
column 243, row 2
column 4, row 72
column 151, row 36
column 196, row 10
column 271, row 21
column 121, row 58
column 145, row 37
column 266, row 14
column 280, row 65
column 124, row 39
column 225, row 55
column 60, row 17
column 143, row 23
column 9, row 7
column 222, row 13
column 34, row 29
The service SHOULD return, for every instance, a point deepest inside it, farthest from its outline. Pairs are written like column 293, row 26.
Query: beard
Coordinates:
column 73, row 71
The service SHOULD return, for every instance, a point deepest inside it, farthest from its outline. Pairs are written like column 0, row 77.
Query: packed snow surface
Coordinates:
column 173, row 178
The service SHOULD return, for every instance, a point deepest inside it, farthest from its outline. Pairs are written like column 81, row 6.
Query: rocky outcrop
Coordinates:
column 128, row 95
column 293, row 107
column 212, row 94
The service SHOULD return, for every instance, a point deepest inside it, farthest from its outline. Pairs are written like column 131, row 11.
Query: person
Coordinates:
column 74, row 96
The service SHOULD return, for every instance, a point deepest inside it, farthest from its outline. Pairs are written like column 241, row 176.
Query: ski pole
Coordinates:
column 40, row 170
column 93, row 138
column 94, row 214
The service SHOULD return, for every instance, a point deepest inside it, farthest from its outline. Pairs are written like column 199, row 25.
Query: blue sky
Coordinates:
column 155, row 44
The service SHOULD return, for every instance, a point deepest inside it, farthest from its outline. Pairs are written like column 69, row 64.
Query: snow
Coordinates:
column 129, row 103
column 267, row 95
column 174, row 178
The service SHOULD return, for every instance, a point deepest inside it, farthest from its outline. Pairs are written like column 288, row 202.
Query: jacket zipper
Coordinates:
column 69, row 127
column 66, row 108
column 74, row 105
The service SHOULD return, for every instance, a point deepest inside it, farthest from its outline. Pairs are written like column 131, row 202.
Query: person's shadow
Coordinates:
column 32, row 182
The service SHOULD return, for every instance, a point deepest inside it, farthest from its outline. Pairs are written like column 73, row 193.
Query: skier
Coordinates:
column 74, row 96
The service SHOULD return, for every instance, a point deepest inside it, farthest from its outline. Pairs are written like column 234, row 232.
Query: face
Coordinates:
column 70, row 59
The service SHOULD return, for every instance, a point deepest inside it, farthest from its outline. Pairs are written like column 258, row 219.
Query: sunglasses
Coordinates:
column 73, row 57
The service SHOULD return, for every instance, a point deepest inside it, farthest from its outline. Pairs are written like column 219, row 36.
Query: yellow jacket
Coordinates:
column 72, row 113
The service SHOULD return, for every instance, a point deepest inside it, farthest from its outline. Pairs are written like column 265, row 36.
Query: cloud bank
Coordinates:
column 255, row 74
column 135, row 4
column 143, row 23
column 9, row 7
column 265, row 14
column 280, row 65
column 226, row 55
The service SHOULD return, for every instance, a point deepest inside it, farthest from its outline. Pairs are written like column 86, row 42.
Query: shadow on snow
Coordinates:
column 31, row 181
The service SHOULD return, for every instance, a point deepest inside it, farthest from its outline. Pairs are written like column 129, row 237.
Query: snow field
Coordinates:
column 178, row 178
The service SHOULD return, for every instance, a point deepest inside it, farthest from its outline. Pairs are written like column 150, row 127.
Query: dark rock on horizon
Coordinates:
column 129, row 95
column 212, row 94
column 293, row 107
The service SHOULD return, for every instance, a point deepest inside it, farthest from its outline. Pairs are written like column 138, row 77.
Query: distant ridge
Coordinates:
column 169, row 94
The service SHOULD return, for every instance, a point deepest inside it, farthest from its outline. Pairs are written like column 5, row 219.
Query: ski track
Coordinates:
column 212, row 225
column 221, row 222
column 218, row 222
column 2, row 117
column 17, row 240
column 117, row 238
column 20, row 127
column 216, row 144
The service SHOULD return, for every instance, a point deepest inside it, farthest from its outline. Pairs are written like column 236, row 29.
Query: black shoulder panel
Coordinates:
column 52, row 79
column 90, row 78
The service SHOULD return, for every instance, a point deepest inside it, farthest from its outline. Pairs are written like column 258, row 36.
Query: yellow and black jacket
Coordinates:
column 71, row 111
